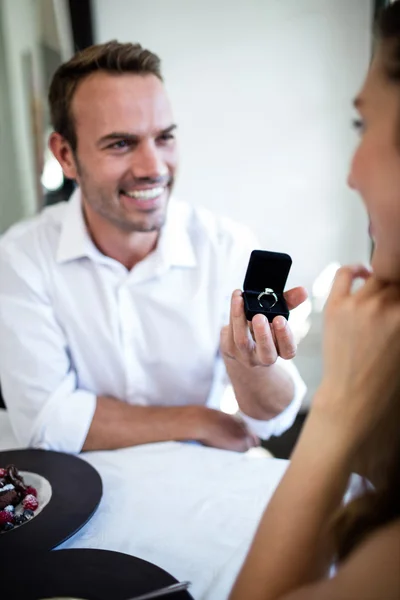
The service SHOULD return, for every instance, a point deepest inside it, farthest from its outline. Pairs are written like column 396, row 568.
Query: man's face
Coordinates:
column 126, row 154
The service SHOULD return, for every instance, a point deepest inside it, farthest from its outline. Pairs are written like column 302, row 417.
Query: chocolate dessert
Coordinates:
column 9, row 496
column 18, row 501
column 12, row 487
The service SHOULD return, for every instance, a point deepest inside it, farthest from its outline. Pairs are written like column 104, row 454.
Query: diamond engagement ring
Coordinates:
column 267, row 292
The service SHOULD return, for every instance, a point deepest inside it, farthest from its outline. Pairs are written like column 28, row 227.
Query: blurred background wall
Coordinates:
column 262, row 93
column 35, row 36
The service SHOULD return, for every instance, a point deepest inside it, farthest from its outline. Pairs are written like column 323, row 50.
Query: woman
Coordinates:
column 354, row 423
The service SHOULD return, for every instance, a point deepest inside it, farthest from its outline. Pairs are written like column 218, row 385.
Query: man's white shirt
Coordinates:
column 75, row 324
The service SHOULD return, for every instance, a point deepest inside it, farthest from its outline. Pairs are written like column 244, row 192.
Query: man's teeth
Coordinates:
column 145, row 194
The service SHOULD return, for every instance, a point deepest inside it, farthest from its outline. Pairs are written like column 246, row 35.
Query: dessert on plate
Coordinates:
column 18, row 501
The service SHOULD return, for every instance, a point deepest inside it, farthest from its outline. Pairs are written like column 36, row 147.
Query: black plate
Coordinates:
column 83, row 573
column 76, row 494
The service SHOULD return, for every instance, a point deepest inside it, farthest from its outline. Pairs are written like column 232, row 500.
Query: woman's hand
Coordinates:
column 360, row 390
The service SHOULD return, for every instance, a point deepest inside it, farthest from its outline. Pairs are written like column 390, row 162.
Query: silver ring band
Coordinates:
column 267, row 292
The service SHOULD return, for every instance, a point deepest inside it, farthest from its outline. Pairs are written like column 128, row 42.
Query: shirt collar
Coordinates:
column 174, row 248
column 74, row 240
column 175, row 244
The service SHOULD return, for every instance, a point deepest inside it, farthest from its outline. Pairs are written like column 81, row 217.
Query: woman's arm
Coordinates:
column 292, row 547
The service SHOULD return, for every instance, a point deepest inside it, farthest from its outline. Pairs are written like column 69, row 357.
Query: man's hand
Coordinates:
column 262, row 389
column 117, row 424
column 223, row 431
column 259, row 343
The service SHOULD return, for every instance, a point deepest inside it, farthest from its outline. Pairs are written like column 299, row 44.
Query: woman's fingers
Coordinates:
column 344, row 280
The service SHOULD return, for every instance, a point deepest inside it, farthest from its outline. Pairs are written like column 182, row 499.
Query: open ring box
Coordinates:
column 266, row 270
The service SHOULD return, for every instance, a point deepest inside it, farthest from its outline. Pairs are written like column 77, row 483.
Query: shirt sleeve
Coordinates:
column 39, row 384
column 282, row 422
column 222, row 388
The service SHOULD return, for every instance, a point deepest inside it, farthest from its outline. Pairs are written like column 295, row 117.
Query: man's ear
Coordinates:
column 63, row 153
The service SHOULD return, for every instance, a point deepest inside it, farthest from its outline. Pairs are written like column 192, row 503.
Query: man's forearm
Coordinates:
column 117, row 424
column 261, row 392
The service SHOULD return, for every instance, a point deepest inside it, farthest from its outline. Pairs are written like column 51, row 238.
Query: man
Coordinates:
column 111, row 305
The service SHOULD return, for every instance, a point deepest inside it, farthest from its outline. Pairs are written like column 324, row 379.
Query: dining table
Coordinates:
column 190, row 509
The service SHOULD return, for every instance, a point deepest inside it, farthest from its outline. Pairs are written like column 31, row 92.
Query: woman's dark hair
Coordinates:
column 388, row 33
column 380, row 505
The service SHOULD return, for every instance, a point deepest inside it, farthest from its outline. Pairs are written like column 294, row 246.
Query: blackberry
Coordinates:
column 19, row 519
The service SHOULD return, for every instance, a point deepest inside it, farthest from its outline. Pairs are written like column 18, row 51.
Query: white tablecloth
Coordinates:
column 189, row 509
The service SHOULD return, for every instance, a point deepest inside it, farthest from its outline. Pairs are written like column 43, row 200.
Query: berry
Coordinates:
column 3, row 472
column 28, row 514
column 6, row 517
column 30, row 502
column 19, row 519
column 31, row 490
column 8, row 526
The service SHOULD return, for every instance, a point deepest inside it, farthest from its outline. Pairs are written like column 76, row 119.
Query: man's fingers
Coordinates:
column 250, row 438
column 240, row 330
column 226, row 342
column 256, row 442
column 236, row 305
column 284, row 338
column 295, row 297
column 265, row 345
column 273, row 334
column 259, row 341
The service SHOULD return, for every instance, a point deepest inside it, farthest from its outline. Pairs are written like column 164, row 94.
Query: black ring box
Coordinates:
column 266, row 270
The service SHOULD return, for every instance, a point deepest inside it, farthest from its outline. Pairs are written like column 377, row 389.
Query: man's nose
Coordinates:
column 147, row 162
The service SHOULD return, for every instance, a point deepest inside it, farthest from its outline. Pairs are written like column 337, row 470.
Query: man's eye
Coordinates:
column 166, row 137
column 120, row 145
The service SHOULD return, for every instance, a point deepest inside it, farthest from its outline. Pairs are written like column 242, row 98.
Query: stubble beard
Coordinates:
column 101, row 204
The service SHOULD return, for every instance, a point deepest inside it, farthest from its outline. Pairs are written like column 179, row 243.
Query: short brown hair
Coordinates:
column 112, row 57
